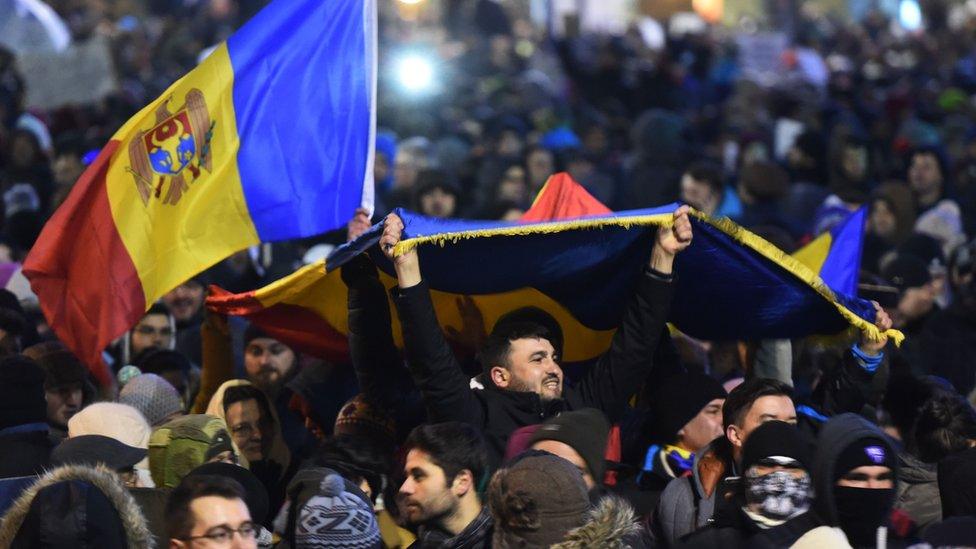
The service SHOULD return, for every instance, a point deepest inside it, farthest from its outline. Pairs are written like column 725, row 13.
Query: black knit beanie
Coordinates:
column 870, row 451
column 585, row 431
column 677, row 401
column 254, row 332
column 777, row 438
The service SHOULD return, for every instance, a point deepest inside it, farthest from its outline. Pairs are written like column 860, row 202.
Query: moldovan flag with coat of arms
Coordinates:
column 269, row 138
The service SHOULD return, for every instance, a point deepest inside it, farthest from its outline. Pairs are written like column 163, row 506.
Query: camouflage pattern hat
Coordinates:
column 181, row 445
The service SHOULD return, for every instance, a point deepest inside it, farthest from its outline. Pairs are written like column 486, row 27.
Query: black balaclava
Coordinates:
column 862, row 510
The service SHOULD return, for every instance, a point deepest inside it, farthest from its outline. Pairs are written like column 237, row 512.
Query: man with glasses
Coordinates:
column 155, row 330
column 209, row 511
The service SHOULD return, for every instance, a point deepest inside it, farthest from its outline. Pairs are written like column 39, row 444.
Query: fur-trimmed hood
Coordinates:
column 105, row 481
column 611, row 524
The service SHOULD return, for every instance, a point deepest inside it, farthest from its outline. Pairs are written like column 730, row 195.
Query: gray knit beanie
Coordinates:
column 153, row 396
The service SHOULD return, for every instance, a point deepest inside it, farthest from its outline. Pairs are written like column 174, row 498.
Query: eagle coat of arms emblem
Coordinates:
column 165, row 159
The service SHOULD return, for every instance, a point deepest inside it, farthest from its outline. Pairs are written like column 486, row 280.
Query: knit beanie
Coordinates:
column 21, row 392
column 111, row 419
column 780, row 440
column 361, row 416
column 254, row 332
column 585, row 431
column 868, row 451
column 336, row 515
column 153, row 396
column 676, row 402
column 537, row 500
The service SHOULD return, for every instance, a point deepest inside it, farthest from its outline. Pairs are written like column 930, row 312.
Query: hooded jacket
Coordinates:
column 837, row 434
column 71, row 525
column 279, row 450
column 276, row 470
column 823, row 518
column 611, row 524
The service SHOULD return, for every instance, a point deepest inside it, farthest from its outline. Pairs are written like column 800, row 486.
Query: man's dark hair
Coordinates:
column 179, row 517
column 708, row 174
column 946, row 424
column 453, row 446
column 356, row 458
column 740, row 400
column 937, row 153
column 241, row 393
column 498, row 344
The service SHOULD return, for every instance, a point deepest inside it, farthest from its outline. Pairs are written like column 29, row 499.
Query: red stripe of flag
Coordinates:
column 87, row 284
column 295, row 325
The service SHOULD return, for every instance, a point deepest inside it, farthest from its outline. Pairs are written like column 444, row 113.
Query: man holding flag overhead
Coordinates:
column 524, row 382
column 269, row 138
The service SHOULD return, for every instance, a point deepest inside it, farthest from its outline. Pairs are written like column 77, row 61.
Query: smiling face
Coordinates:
column 531, row 368
column 185, row 301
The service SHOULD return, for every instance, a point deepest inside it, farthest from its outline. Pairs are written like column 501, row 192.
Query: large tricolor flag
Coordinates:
column 580, row 268
column 269, row 138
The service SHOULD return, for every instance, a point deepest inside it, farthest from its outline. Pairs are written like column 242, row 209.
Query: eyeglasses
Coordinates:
column 246, row 430
column 222, row 535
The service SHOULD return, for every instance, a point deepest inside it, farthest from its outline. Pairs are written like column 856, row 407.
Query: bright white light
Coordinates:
column 910, row 15
column 410, row 1
column 415, row 73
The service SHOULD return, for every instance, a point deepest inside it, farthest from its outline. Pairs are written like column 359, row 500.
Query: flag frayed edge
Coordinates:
column 726, row 225
column 801, row 271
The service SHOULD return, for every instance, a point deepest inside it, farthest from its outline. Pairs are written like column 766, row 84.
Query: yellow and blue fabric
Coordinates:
column 836, row 254
column 269, row 138
column 730, row 284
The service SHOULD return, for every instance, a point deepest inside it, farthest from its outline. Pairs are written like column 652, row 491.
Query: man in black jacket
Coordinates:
column 524, row 383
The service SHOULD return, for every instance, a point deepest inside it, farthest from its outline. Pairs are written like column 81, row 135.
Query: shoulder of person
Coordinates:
column 821, row 537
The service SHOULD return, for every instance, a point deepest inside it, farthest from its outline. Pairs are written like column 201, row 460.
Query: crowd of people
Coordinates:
column 217, row 434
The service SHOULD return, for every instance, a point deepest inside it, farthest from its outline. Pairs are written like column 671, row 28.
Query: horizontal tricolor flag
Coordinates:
column 732, row 285
column 269, row 138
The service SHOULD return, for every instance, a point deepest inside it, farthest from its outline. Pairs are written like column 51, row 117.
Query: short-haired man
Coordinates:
column 849, row 387
column 67, row 387
column 155, row 330
column 523, row 380
column 701, row 187
column 209, row 511
column 684, row 417
column 688, row 502
column 446, row 465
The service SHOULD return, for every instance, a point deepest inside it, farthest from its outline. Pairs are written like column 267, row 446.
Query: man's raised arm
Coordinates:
column 618, row 374
column 432, row 364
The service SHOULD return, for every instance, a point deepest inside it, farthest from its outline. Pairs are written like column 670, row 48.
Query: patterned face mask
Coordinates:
column 778, row 495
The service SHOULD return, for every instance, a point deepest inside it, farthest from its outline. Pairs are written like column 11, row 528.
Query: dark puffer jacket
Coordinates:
column 77, row 507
